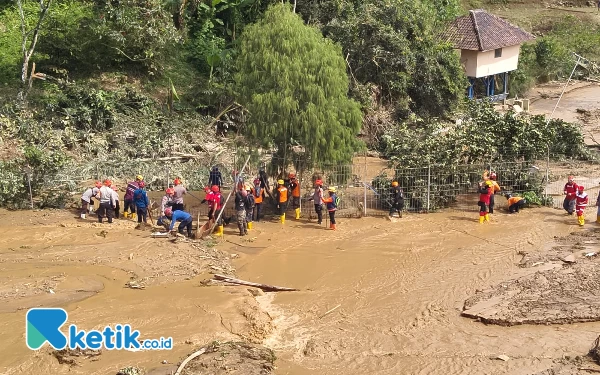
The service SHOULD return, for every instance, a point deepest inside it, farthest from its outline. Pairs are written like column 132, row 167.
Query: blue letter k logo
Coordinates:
column 43, row 325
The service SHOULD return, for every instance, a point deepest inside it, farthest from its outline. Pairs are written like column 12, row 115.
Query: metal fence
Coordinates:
column 363, row 186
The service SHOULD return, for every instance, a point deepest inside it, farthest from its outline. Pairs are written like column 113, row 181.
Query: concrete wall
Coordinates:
column 481, row 64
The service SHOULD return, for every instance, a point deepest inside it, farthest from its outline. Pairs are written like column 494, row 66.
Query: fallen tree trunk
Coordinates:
column 268, row 288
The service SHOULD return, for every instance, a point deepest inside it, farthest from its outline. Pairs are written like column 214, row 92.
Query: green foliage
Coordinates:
column 393, row 45
column 483, row 134
column 294, row 84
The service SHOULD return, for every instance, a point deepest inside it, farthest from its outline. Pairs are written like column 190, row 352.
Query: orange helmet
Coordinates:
column 319, row 182
column 170, row 191
column 107, row 182
column 98, row 184
column 177, row 181
column 215, row 188
column 394, row 183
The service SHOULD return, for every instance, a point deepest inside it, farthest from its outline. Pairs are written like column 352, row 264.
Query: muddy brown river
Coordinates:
column 376, row 297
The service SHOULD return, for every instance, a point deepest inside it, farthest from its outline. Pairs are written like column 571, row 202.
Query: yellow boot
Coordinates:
column 282, row 217
column 249, row 225
column 598, row 219
column 219, row 231
column 487, row 217
column 297, row 213
column 581, row 220
column 481, row 219
column 133, row 216
column 125, row 215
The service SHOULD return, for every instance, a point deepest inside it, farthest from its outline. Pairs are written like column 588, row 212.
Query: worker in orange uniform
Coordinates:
column 581, row 202
column 332, row 203
column 259, row 194
column 281, row 196
column 515, row 203
column 494, row 188
column 294, row 187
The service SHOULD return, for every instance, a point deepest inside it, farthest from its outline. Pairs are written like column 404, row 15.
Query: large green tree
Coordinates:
column 293, row 82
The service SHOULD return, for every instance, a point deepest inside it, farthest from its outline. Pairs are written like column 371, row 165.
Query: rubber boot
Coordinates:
column 487, row 217
column 133, row 216
column 598, row 219
column 481, row 219
column 282, row 217
column 332, row 226
column 241, row 228
column 249, row 225
column 297, row 213
column 581, row 220
column 83, row 216
column 125, row 215
column 219, row 231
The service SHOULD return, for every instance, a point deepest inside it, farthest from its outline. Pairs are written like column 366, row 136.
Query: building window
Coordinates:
column 498, row 52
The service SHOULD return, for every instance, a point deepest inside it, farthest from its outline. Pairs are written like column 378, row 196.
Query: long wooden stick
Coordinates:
column 330, row 311
column 268, row 288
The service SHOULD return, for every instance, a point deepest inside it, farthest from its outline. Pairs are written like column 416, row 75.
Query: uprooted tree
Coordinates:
column 293, row 82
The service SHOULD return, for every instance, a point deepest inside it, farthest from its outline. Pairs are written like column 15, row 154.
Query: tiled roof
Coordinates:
column 482, row 31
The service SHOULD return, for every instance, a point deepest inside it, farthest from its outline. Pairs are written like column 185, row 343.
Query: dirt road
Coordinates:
column 400, row 287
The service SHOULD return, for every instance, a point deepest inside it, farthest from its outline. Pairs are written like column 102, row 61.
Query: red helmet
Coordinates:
column 206, row 189
column 107, row 182
column 177, row 181
column 215, row 188
column 292, row 175
column 142, row 184
column 256, row 181
column 319, row 182
column 168, row 211
column 170, row 191
column 98, row 184
column 580, row 187
column 493, row 175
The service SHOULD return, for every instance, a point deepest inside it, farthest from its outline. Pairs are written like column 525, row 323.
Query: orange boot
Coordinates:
column 332, row 227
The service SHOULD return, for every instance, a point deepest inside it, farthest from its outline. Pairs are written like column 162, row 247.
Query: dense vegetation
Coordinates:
column 112, row 87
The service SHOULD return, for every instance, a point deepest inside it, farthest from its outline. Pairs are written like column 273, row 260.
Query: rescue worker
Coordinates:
column 212, row 198
column 87, row 201
column 484, row 201
column 264, row 179
column 215, row 177
column 494, row 188
column 294, row 187
column 598, row 211
column 397, row 196
column 107, row 202
column 140, row 198
column 570, row 191
column 515, row 203
column 259, row 196
column 317, row 198
column 179, row 191
column 166, row 202
column 281, row 196
column 183, row 217
column 332, row 202
column 128, row 199
column 249, row 203
column 116, row 198
column 240, row 211
column 581, row 202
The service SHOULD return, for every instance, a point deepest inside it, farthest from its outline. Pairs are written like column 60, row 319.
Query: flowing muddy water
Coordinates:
column 400, row 286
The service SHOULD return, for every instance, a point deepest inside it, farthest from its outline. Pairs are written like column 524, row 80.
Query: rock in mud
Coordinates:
column 232, row 358
column 74, row 357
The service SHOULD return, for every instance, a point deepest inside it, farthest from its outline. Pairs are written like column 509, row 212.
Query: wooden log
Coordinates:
column 265, row 287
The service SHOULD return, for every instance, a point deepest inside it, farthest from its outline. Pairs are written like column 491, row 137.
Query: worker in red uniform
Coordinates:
column 570, row 191
column 294, row 187
column 484, row 201
column 581, row 202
